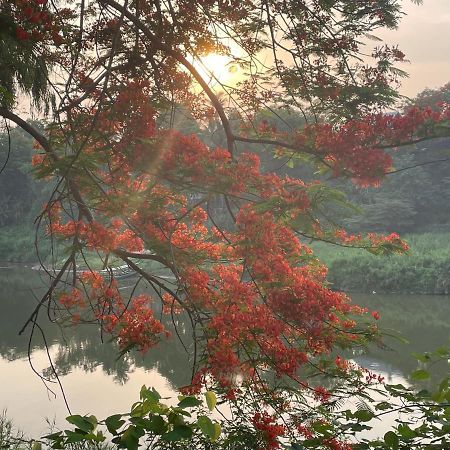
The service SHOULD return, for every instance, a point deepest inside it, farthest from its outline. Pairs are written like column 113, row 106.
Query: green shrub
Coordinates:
column 424, row 270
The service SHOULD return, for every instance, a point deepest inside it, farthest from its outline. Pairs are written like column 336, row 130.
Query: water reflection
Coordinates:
column 423, row 320
column 92, row 375
column 29, row 403
column 94, row 378
column 81, row 347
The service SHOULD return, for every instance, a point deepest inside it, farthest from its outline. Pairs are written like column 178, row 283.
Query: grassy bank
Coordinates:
column 424, row 270
column 17, row 244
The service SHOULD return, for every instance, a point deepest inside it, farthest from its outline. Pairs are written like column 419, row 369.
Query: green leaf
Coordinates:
column 206, row 426
column 156, row 425
column 442, row 351
column 444, row 384
column 53, row 436
column 152, row 395
column 189, row 402
column 406, row 432
column 447, row 413
column 176, row 417
column 391, row 440
column 396, row 387
column 73, row 436
column 139, row 422
column 422, row 357
column 113, row 423
column 420, row 375
column 356, row 427
column 180, row 412
column 323, row 428
column 99, row 437
column 209, row 428
column 211, row 400
column 130, row 439
column 84, row 423
column 383, row 406
column 295, row 446
column 36, row 446
column 363, row 415
column 217, row 431
column 179, row 433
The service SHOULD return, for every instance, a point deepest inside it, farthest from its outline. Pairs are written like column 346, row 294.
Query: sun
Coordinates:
column 217, row 69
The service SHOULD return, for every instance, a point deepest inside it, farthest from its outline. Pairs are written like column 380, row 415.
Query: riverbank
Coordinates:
column 424, row 270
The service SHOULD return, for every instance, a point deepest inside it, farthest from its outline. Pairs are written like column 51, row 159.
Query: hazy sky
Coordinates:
column 424, row 36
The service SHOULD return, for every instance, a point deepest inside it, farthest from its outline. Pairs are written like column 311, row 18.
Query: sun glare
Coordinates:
column 217, row 69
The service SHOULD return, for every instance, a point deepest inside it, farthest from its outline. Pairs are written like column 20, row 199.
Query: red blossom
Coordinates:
column 21, row 34
column 261, row 295
column 271, row 431
column 375, row 315
column 321, row 394
column 136, row 325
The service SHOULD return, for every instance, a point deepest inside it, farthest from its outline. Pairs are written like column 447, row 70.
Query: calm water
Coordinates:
column 95, row 382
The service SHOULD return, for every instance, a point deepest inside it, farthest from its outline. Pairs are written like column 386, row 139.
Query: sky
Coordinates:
column 424, row 36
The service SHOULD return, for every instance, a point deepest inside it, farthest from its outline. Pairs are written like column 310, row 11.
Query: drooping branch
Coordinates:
column 123, row 254
column 44, row 142
column 32, row 131
column 276, row 143
column 178, row 56
column 47, row 295
column 426, row 163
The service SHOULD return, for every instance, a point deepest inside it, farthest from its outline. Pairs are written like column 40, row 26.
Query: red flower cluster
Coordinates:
column 269, row 428
column 135, row 326
column 260, row 295
column 357, row 148
column 335, row 444
column 383, row 244
column 73, row 299
column 97, row 236
column 34, row 22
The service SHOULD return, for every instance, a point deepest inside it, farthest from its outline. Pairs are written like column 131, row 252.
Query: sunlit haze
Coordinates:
column 424, row 36
column 218, row 69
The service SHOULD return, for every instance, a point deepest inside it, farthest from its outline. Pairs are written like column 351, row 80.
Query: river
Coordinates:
column 96, row 382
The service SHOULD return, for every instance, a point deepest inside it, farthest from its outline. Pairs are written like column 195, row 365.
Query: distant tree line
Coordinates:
column 20, row 195
column 414, row 198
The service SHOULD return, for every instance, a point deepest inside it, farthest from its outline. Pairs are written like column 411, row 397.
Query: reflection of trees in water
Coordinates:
column 17, row 302
column 81, row 347
column 86, row 353
column 84, row 350
column 422, row 320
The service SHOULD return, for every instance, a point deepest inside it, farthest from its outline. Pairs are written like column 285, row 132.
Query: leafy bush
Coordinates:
column 424, row 270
